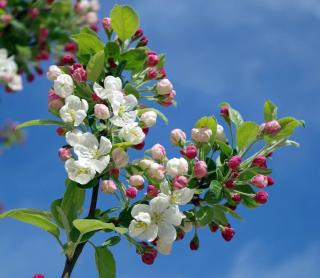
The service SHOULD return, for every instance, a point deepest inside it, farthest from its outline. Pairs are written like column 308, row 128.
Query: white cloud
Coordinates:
column 253, row 261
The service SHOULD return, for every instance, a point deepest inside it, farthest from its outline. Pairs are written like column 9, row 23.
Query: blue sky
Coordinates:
column 243, row 52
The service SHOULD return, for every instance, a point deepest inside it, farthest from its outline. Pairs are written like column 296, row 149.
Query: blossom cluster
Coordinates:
column 39, row 29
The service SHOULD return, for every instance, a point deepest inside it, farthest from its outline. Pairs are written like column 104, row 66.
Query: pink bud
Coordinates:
column 38, row 276
column 190, row 152
column 95, row 98
column 200, row 169
column 260, row 181
column 30, row 77
column 229, row 184
column 261, row 197
column 152, row 73
column 213, row 227
column 64, row 154
column 260, row 161
column 149, row 256
column 224, row 111
column 153, row 60
column 139, row 146
column 236, row 197
column 33, row 13
column 143, row 41
column 132, row 192
column 272, row 127
column 3, row 4
column 108, row 186
column 138, row 34
column 228, row 233
column 43, row 34
column 68, row 59
column 107, row 23
column 162, row 73
column 168, row 99
column 177, row 137
column 234, row 162
column 270, row 181
column 152, row 191
column 6, row 19
column 54, row 101
column 194, row 243
column 136, row 181
column 158, row 152
column 179, row 182
column 101, row 111
column 61, row 131
column 70, row 46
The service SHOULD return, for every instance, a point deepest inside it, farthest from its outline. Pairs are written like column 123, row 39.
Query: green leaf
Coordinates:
column 204, row 215
column 105, row 263
column 231, row 212
column 219, row 215
column 249, row 202
column 288, row 126
column 89, row 225
column 112, row 49
column 270, row 111
column 234, row 115
column 246, row 134
column 131, row 90
column 112, row 241
column 134, row 58
column 95, row 66
column 160, row 114
column 36, row 218
column 55, row 205
column 125, row 21
column 39, row 122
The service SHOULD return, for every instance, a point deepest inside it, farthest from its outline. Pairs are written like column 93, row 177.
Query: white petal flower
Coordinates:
column 132, row 133
column 16, row 83
column 177, row 167
column 163, row 247
column 112, row 86
column 54, row 72
column 74, row 111
column 176, row 197
column 149, row 118
column 63, row 85
column 122, row 107
column 74, row 137
column 97, row 154
column 80, row 171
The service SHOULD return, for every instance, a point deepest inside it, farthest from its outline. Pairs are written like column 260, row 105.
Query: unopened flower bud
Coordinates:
column 228, row 233
column 149, row 118
column 213, row 227
column 120, row 157
column 220, row 135
column 145, row 163
column 152, row 191
column 164, row 87
column 152, row 73
column 107, row 23
column 3, row 4
column 108, row 186
column 158, row 152
column 236, row 197
column 270, row 181
column 260, row 161
column 272, row 127
column 234, row 162
column 153, row 60
column 33, row 13
column 6, row 19
column 131, row 192
column 61, row 131
column 138, row 34
column 260, row 181
column 143, row 41
column 38, row 276
column 139, row 146
column 65, row 154
column 224, row 111
column 187, row 226
column 136, row 181
column 190, row 152
column 101, row 112
column 177, row 137
column 194, row 243
column 70, row 47
column 80, row 75
column 156, row 171
column 229, row 184
column 177, row 167
column 54, row 101
column 201, row 135
column 179, row 182
column 68, row 59
column 200, row 169
column 261, row 197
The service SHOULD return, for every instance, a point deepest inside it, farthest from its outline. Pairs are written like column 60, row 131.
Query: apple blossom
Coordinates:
column 108, row 186
column 220, row 135
column 80, row 171
column 200, row 169
column 261, row 197
column 201, row 135
column 74, row 111
column 260, row 181
column 136, row 181
column 120, row 157
column 156, row 171
column 63, row 85
column 177, row 167
column 190, row 152
column 65, row 154
column 164, row 87
column 101, row 111
column 107, row 23
column 131, row 192
column 272, row 127
column 149, row 118
column 177, row 196
column 152, row 191
column 163, row 247
column 177, row 137
column 234, row 162
column 54, row 72
column 158, row 152
column 179, row 182
column 112, row 86
column 132, row 133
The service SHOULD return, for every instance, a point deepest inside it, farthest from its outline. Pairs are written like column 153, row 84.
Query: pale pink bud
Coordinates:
column 3, row 4
column 132, row 192
column 120, row 157
column 234, row 162
column 178, row 137
column 92, row 18
column 179, row 182
column 272, row 127
column 106, row 23
column 145, row 163
column 164, row 87
column 152, row 191
column 260, row 181
column 54, row 101
column 108, row 186
column 101, row 111
column 156, row 171
column 65, row 154
column 6, row 19
column 136, row 181
column 158, row 152
column 149, row 118
column 79, row 74
column 168, row 99
column 201, row 135
column 200, row 169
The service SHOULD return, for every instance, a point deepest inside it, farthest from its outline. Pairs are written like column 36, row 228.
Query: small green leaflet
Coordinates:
column 105, row 263
column 89, row 225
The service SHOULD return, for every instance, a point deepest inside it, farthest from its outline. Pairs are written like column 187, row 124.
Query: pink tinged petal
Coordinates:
column 167, row 233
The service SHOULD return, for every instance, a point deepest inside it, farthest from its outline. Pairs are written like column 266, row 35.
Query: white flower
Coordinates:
column 201, row 135
column 145, row 163
column 74, row 137
column 176, row 197
column 156, row 171
column 164, row 87
column 91, row 18
column 149, row 118
column 8, row 71
column 101, row 111
column 89, row 149
column 95, row 5
column 120, row 157
column 122, row 107
column 177, row 167
column 84, row 5
column 16, row 83
column 63, row 85
column 220, row 136
column 74, row 111
column 53, row 72
column 80, row 171
column 155, row 220
column 132, row 133
column 112, row 86
column 163, row 247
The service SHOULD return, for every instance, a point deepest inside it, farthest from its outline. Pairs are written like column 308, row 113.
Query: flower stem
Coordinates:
column 70, row 262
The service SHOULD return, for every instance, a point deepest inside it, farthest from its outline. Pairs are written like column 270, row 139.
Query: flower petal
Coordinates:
column 167, row 233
